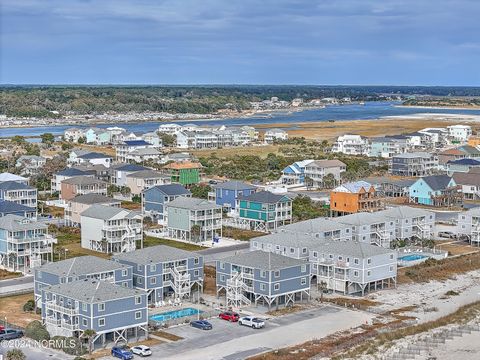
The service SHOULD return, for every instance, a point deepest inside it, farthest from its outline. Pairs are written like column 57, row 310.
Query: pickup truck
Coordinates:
column 253, row 322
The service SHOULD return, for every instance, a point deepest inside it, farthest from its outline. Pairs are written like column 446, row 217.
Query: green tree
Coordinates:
column 18, row 140
column 304, row 208
column 89, row 334
column 195, row 232
column 329, row 181
column 47, row 138
column 167, row 139
column 200, row 190
column 15, row 354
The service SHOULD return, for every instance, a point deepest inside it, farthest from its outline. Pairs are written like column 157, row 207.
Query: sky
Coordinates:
column 384, row 42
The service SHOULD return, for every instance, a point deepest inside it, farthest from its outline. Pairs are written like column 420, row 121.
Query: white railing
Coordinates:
column 62, row 309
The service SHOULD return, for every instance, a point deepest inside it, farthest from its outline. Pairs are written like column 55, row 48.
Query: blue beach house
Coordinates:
column 435, row 190
column 155, row 198
column 226, row 193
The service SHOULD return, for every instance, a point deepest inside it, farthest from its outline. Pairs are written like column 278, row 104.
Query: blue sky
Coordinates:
column 398, row 42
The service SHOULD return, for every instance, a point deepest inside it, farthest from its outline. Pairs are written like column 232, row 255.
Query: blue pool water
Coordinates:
column 175, row 314
column 412, row 257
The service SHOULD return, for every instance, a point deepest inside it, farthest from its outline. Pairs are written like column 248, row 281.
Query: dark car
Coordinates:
column 9, row 334
column 122, row 353
column 201, row 324
column 229, row 315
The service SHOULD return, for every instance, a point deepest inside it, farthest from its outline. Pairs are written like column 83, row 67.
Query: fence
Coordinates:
column 208, row 314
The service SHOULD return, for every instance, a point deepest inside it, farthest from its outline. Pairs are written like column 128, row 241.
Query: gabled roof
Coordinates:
column 264, row 197
column 466, row 162
column 327, row 163
column 263, row 260
column 108, row 212
column 469, row 178
column 192, row 203
column 93, row 198
column 12, row 222
column 154, row 255
column 170, row 189
column 11, row 207
column 83, row 180
column 288, row 239
column 313, row 226
column 128, row 167
column 405, row 212
column 452, row 152
column 437, row 182
column 470, row 150
column 93, row 291
column 147, row 174
column 351, row 249
column 71, row 172
column 234, row 185
column 13, row 185
column 11, row 177
column 94, row 155
column 81, row 265
column 353, row 187
column 136, row 143
column 145, row 151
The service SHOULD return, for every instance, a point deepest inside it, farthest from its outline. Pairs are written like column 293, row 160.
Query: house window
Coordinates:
column 292, row 250
column 125, row 284
column 101, row 307
column 222, row 265
column 262, row 287
column 196, row 273
column 84, row 307
column 85, row 322
column 304, row 268
column 263, row 274
column 303, row 281
column 391, row 256
column 153, row 268
column 153, row 281
column 315, row 254
column 139, row 280
column 277, row 273
column 222, row 278
column 138, row 300
column 124, row 272
column 369, row 273
column 340, row 257
column 304, row 250
column 138, row 315
column 369, row 261
column 101, row 322
column 196, row 261
column 355, row 273
column 276, row 287
column 139, row 267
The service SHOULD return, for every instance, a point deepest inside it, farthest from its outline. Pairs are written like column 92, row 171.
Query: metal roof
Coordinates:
column 353, row 187
column 263, row 260
column 93, row 291
column 81, row 265
column 5, row 176
column 136, row 143
column 11, row 206
column 155, row 255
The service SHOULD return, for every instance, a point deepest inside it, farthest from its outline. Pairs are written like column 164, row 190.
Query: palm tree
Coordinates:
column 15, row 354
column 89, row 335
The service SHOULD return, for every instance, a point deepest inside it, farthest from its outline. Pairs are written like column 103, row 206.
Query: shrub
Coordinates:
column 73, row 346
column 29, row 306
column 15, row 354
column 58, row 342
column 36, row 331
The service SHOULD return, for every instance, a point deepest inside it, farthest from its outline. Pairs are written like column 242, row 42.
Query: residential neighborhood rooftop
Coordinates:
column 81, row 265
column 154, row 255
column 107, row 212
column 263, row 260
column 93, row 198
column 263, row 197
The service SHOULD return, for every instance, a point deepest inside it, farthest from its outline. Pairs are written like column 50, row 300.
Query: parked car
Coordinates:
column 201, row 324
column 141, row 350
column 229, row 315
column 122, row 353
column 9, row 334
column 447, row 234
column 253, row 322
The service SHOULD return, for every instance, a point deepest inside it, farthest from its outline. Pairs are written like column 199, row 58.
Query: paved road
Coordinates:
column 21, row 283
column 230, row 341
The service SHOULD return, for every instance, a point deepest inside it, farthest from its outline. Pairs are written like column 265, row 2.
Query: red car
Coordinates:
column 229, row 315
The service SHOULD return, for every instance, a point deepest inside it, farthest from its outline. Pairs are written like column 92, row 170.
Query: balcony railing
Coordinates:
column 61, row 308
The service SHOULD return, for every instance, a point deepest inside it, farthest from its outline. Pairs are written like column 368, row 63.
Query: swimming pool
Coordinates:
column 412, row 257
column 175, row 314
